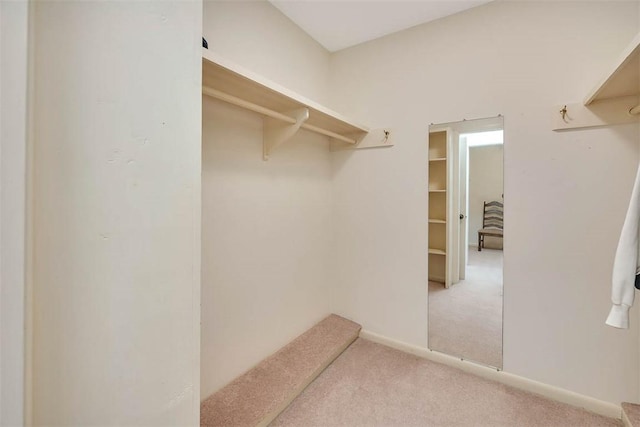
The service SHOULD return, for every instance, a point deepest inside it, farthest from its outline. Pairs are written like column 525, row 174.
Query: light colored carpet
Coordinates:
column 256, row 397
column 466, row 319
column 632, row 412
column 373, row 385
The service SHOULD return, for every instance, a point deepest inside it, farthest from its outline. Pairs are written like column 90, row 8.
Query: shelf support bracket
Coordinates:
column 277, row 132
column 374, row 139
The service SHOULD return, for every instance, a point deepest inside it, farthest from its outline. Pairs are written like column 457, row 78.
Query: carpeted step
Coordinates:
column 259, row 395
column 630, row 415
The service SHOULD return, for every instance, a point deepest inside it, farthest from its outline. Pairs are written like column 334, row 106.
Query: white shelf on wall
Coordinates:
column 437, row 221
column 436, row 252
column 623, row 77
column 610, row 101
column 285, row 111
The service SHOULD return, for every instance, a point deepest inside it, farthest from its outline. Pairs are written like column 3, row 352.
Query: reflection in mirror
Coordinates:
column 465, row 214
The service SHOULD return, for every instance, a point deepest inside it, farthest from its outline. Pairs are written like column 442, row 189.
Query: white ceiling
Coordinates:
column 338, row 24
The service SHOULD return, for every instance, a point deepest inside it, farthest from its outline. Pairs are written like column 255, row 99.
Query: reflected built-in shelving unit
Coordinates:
column 438, row 181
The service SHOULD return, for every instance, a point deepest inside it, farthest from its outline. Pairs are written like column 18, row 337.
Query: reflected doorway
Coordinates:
column 466, row 209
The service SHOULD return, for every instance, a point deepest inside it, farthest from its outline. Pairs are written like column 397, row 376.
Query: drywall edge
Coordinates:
column 14, row 81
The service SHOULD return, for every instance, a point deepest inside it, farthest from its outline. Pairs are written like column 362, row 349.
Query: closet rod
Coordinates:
column 214, row 93
column 328, row 133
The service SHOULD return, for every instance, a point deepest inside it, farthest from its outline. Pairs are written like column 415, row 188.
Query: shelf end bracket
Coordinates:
column 276, row 132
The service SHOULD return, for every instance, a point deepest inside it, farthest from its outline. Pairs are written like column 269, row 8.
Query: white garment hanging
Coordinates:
column 625, row 265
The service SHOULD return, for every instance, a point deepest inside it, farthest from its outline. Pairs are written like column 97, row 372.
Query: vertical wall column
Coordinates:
column 117, row 150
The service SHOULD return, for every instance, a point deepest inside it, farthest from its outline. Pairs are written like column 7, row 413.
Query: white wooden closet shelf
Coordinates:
column 614, row 100
column 285, row 111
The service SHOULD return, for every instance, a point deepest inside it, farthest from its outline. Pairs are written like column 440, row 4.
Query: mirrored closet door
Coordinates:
column 465, row 215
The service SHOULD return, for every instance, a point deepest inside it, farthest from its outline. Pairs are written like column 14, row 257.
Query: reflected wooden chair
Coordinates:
column 492, row 222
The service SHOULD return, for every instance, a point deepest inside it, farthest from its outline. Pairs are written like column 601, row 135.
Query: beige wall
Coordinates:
column 266, row 232
column 525, row 57
column 265, row 241
column 13, row 139
column 117, row 213
column 259, row 37
column 485, row 184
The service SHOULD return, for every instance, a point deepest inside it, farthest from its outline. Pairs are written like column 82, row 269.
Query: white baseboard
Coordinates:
column 591, row 404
